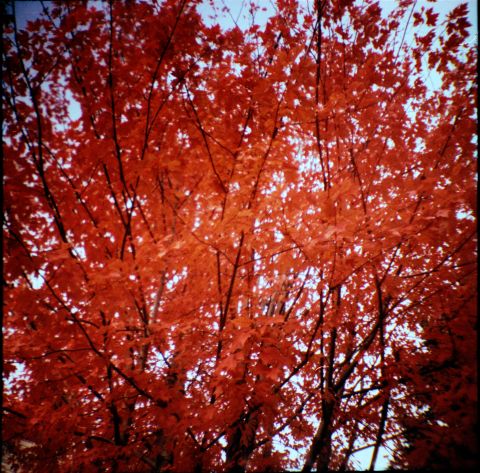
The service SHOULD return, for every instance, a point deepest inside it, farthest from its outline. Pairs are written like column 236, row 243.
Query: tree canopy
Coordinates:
column 246, row 248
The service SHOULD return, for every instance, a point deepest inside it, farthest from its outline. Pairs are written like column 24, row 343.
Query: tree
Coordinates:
column 222, row 245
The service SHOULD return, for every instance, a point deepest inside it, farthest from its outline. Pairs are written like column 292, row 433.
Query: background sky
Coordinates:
column 27, row 10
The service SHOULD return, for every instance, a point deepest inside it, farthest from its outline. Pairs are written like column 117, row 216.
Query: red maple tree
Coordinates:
column 247, row 248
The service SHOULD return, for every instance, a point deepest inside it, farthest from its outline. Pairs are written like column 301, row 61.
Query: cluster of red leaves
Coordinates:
column 251, row 240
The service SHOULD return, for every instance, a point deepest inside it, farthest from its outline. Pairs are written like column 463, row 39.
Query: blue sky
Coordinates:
column 27, row 10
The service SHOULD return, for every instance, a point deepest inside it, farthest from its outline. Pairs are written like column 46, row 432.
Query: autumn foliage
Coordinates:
column 247, row 247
